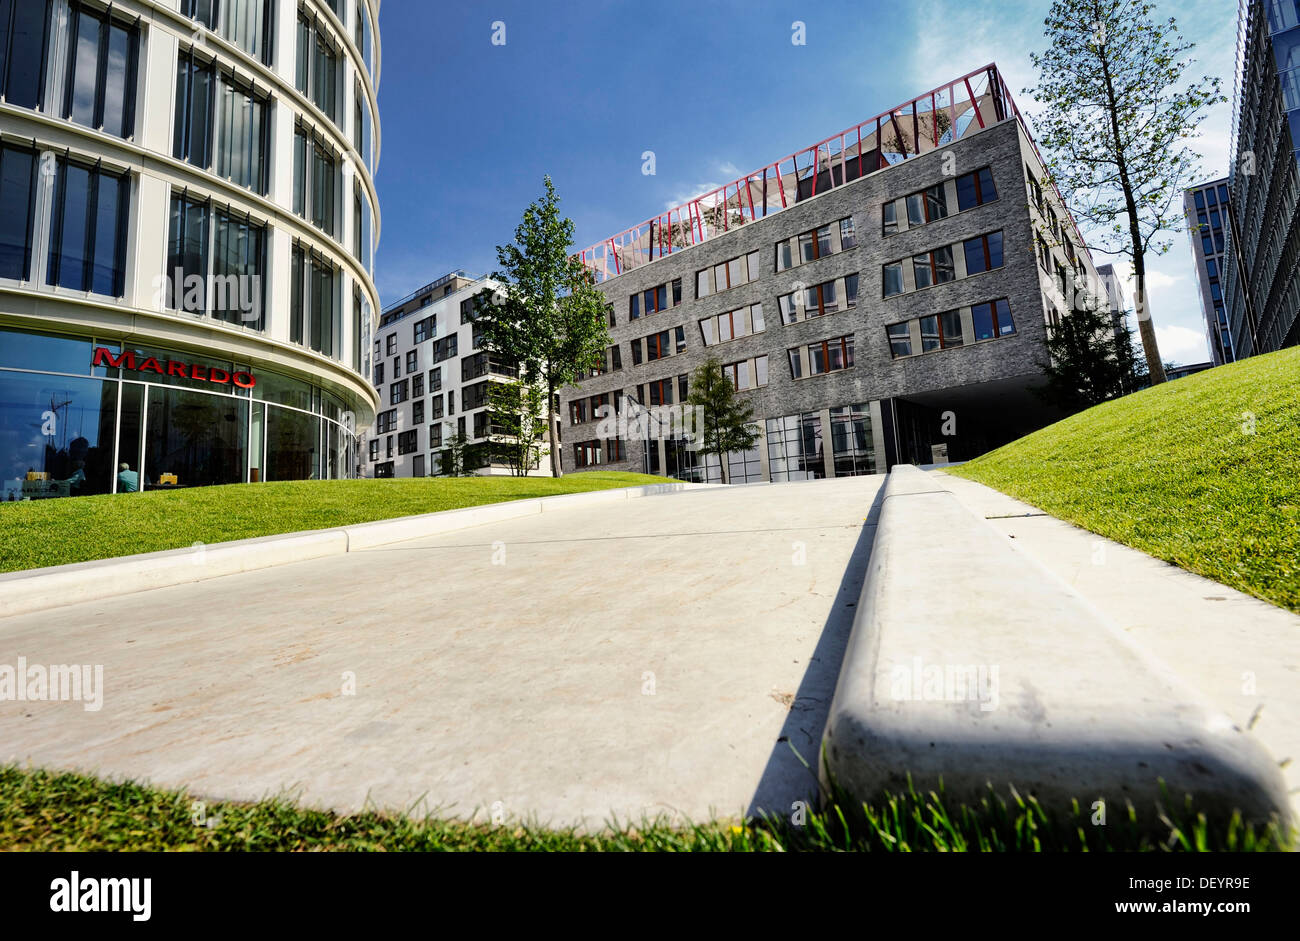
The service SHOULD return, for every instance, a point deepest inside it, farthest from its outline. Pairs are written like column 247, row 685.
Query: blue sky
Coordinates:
column 714, row 88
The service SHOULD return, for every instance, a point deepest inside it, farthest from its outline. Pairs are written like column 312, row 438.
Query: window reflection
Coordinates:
column 56, row 436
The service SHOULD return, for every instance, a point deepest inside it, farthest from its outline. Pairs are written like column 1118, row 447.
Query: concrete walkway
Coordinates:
column 656, row 656
column 1242, row 653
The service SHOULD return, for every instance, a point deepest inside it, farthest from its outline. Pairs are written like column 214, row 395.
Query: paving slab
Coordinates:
column 661, row 656
column 1242, row 653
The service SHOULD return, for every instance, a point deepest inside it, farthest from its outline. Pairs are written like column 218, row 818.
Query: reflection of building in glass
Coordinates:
column 881, row 297
column 1206, row 207
column 187, row 228
column 1116, row 301
column 1261, row 280
column 433, row 384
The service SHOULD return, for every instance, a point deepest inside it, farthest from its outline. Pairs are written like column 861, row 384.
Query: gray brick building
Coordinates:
column 890, row 305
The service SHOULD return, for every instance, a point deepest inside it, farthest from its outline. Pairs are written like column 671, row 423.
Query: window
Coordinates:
column 417, row 386
column 729, row 274
column 830, row 355
column 423, row 329
column 992, row 320
column 100, row 83
column 318, row 65
column 88, row 239
column 408, row 441
column 928, row 205
column 435, row 407
column 390, row 344
column 435, row 432
column 889, row 218
column 374, row 449
column 934, row 267
column 661, row 392
column 397, row 366
column 241, row 141
column 587, row 454
column 23, row 35
column 818, row 300
column 657, row 346
column 238, row 269
column 794, row 447
column 435, row 379
column 744, row 376
column 246, row 23
column 18, row 167
column 976, row 189
column 730, row 326
column 314, row 317
column 848, row 234
column 445, row 348
column 379, row 374
column 192, row 127
column 815, row 244
column 636, row 346
column 218, row 117
column 655, row 299
column 796, row 365
column 983, row 253
column 892, row 278
column 615, row 358
column 941, row 331
column 412, row 360
column 451, row 403
column 417, row 466
column 900, row 339
column 385, row 422
column 417, row 409
column 315, row 179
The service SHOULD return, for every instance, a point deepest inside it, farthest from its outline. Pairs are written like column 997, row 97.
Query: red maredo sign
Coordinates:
column 171, row 367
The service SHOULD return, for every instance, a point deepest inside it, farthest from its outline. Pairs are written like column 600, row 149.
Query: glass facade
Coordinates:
column 1261, row 269
column 75, row 421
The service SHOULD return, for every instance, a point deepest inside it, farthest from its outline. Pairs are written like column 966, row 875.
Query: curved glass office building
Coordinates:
column 187, row 228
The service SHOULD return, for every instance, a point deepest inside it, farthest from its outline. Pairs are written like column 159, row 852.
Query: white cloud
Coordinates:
column 1182, row 345
column 684, row 194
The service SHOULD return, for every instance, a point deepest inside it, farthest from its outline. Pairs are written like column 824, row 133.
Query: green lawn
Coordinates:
column 56, row 532
column 1203, row 472
column 46, row 811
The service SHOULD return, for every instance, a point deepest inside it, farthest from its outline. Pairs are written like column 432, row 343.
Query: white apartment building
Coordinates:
column 433, row 380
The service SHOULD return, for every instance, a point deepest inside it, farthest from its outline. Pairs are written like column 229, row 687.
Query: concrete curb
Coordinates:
column 971, row 664
column 60, row 585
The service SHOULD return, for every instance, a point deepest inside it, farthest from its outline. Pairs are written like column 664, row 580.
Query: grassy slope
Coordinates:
column 47, row 811
column 1172, row 471
column 55, row 532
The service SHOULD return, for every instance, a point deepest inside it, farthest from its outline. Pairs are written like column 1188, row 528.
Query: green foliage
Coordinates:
column 48, row 811
column 80, row 529
column 1203, row 472
column 548, row 315
column 728, row 420
column 457, row 459
column 519, row 410
column 1117, row 113
column 1088, row 363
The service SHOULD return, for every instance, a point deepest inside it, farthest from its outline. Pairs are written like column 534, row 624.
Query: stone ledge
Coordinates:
column 970, row 663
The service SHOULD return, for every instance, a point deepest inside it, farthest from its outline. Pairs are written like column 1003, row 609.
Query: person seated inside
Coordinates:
column 128, row 481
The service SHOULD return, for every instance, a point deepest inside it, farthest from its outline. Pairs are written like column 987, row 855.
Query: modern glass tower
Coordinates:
column 1262, row 277
column 187, row 228
column 1206, row 207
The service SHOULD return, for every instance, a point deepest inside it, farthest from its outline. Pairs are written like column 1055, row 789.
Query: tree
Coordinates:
column 1117, row 111
column 519, row 410
column 455, row 457
column 728, row 421
column 547, row 315
column 1089, row 362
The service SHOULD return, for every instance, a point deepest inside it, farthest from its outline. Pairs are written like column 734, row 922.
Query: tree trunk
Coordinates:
column 1141, row 304
column 556, row 471
column 722, row 463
